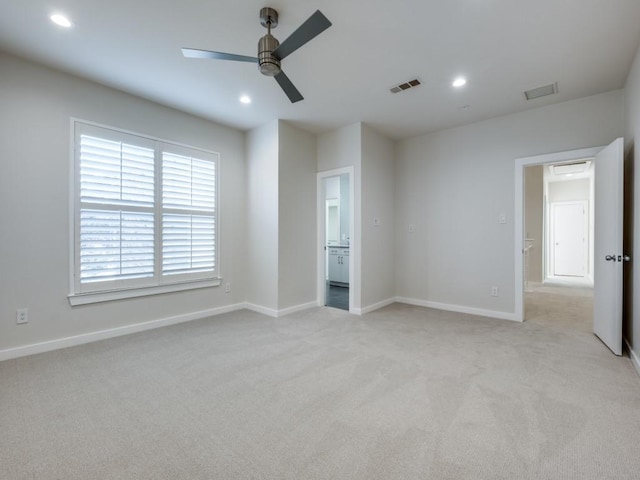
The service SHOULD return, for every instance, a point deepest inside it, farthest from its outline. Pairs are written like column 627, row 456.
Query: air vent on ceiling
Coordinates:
column 541, row 91
column 401, row 87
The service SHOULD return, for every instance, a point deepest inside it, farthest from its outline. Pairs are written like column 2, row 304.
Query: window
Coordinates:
column 145, row 215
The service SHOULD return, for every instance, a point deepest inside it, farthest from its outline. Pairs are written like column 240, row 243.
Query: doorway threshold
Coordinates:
column 568, row 281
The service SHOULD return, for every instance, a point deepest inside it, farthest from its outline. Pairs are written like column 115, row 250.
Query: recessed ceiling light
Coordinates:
column 60, row 20
column 459, row 82
column 245, row 99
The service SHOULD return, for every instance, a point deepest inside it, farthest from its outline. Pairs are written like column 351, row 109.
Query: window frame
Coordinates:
column 93, row 292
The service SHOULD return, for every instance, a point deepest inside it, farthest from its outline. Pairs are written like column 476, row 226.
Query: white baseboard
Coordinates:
column 50, row 345
column 371, row 308
column 459, row 308
column 635, row 359
column 279, row 313
column 297, row 308
column 270, row 312
column 112, row 332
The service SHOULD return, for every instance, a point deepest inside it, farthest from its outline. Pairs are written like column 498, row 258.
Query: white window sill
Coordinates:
column 108, row 296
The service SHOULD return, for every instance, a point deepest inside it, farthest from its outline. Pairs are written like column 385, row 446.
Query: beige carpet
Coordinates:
column 401, row 393
column 558, row 306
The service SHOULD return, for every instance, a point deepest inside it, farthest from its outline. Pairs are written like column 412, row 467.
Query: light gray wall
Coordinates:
column 533, row 214
column 340, row 148
column 632, row 206
column 378, row 201
column 569, row 191
column 372, row 156
column 453, row 185
column 35, row 172
column 332, row 187
column 262, row 216
column 297, row 231
column 343, row 148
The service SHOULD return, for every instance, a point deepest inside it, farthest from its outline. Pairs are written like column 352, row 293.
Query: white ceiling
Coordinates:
column 503, row 46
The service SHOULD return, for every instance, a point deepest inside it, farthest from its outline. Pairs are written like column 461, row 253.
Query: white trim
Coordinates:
column 91, row 337
column 635, row 359
column 73, row 181
column 271, row 312
column 373, row 307
column 459, row 309
column 520, row 164
column 552, row 280
column 297, row 308
column 108, row 296
column 138, row 134
column 321, row 272
column 82, row 339
column 139, row 287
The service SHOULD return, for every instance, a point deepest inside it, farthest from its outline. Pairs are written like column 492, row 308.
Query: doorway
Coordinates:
column 335, row 202
column 569, row 200
column 607, row 224
column 558, row 284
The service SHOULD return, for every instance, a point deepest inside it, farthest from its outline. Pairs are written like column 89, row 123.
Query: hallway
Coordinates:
column 565, row 307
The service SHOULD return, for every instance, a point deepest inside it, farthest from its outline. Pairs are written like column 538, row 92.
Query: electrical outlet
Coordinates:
column 502, row 218
column 412, row 228
column 494, row 291
column 376, row 222
column 22, row 316
column 227, row 287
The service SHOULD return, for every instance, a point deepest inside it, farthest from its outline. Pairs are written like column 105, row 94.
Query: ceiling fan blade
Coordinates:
column 195, row 53
column 312, row 27
column 288, row 87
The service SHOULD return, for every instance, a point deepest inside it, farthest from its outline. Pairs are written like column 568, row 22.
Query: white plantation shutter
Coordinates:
column 188, row 183
column 188, row 243
column 188, row 220
column 145, row 212
column 116, row 173
column 115, row 245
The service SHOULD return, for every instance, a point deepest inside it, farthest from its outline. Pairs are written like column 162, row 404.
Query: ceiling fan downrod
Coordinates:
column 267, row 64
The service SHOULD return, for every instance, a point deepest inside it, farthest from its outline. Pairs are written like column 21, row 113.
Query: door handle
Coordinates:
column 610, row 258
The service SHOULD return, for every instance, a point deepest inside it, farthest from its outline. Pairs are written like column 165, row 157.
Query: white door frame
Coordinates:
column 521, row 163
column 321, row 268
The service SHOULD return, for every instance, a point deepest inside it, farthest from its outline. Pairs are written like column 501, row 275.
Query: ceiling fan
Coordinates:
column 270, row 51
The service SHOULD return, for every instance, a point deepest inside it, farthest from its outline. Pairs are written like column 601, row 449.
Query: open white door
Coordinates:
column 609, row 257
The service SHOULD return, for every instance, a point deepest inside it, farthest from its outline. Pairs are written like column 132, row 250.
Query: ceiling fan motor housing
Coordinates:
column 267, row 64
column 270, row 52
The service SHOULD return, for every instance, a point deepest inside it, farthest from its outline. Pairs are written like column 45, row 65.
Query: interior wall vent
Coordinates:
column 541, row 91
column 401, row 87
column 570, row 168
